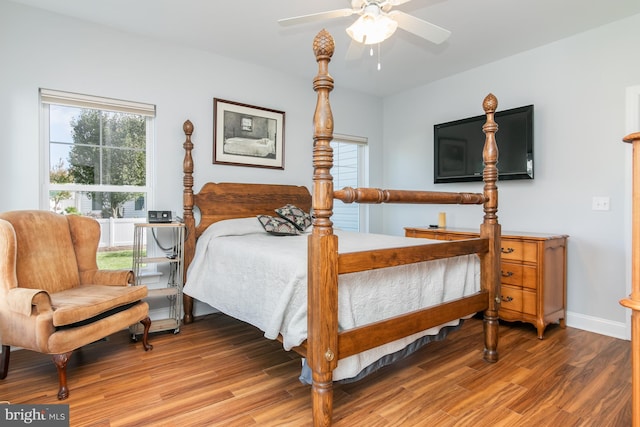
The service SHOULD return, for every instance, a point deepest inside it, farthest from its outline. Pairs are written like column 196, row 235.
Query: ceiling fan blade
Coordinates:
column 417, row 26
column 304, row 19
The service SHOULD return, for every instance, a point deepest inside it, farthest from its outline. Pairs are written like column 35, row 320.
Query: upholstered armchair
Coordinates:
column 53, row 298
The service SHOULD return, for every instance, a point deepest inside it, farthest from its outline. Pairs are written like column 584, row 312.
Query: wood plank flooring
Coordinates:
column 221, row 372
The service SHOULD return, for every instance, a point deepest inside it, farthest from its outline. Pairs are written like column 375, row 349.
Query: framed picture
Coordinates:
column 246, row 135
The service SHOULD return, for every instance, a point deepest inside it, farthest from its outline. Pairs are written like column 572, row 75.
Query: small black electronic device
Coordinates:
column 159, row 216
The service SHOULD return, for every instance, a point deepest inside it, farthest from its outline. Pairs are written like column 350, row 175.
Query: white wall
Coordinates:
column 578, row 88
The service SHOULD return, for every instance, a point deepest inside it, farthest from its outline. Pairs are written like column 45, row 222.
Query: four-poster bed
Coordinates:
column 327, row 341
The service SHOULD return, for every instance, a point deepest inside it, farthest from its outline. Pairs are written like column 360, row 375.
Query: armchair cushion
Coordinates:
column 84, row 302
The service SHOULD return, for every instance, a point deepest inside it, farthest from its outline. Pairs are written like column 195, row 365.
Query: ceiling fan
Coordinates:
column 377, row 22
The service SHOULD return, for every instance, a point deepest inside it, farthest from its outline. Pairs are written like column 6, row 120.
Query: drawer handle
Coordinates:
column 507, row 251
column 507, row 299
column 507, row 274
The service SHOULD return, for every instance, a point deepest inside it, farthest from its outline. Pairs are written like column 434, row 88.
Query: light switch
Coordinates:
column 600, row 204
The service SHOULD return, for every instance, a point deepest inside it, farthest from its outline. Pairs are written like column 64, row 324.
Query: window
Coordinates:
column 97, row 154
column 349, row 170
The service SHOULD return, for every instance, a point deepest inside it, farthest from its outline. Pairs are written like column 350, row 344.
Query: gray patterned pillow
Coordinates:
column 296, row 216
column 277, row 226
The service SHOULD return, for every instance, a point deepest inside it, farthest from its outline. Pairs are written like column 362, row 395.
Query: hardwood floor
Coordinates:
column 221, row 372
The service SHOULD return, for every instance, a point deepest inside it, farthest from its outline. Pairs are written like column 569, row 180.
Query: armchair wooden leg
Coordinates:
column 146, row 322
column 4, row 362
column 61, row 363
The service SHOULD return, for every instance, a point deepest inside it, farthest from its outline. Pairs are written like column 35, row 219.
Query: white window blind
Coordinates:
column 349, row 170
column 68, row 99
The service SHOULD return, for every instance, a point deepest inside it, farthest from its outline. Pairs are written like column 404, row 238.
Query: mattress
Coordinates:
column 261, row 279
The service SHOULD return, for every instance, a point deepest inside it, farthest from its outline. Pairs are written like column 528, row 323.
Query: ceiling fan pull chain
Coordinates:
column 378, row 56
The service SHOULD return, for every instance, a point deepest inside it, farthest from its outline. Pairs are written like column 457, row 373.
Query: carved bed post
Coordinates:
column 322, row 287
column 490, row 228
column 189, row 220
column 633, row 301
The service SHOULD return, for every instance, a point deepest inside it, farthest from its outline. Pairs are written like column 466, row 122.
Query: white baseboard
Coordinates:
column 598, row 325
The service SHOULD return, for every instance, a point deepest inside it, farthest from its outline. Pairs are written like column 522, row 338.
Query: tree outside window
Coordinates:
column 108, row 148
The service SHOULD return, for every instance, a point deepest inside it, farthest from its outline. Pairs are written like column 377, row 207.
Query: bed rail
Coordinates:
column 372, row 335
column 376, row 195
column 352, row 262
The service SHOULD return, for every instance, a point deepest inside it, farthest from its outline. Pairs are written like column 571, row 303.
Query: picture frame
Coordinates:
column 246, row 135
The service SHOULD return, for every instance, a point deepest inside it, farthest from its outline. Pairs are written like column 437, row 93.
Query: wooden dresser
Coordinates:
column 534, row 278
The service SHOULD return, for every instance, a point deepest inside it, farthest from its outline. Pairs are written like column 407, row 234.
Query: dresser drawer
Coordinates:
column 512, row 273
column 518, row 299
column 511, row 298
column 518, row 250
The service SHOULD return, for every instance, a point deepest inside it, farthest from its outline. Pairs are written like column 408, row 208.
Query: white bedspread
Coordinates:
column 259, row 278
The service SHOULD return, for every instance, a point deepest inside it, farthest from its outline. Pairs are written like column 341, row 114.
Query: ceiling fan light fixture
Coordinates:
column 372, row 28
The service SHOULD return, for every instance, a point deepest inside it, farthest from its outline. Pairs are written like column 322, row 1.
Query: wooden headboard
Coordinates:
column 219, row 201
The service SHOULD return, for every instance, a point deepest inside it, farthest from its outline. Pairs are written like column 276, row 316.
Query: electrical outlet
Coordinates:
column 600, row 203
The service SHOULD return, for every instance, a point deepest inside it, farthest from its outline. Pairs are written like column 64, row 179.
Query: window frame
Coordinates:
column 68, row 99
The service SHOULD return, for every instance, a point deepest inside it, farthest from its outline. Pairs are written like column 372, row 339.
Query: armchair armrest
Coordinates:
column 107, row 277
column 21, row 300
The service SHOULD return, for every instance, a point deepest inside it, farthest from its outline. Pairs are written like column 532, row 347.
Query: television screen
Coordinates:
column 458, row 147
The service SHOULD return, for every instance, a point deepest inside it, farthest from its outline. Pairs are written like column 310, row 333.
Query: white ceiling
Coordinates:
column 482, row 31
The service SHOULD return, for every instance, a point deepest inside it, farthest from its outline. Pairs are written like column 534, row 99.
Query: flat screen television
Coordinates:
column 458, row 147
